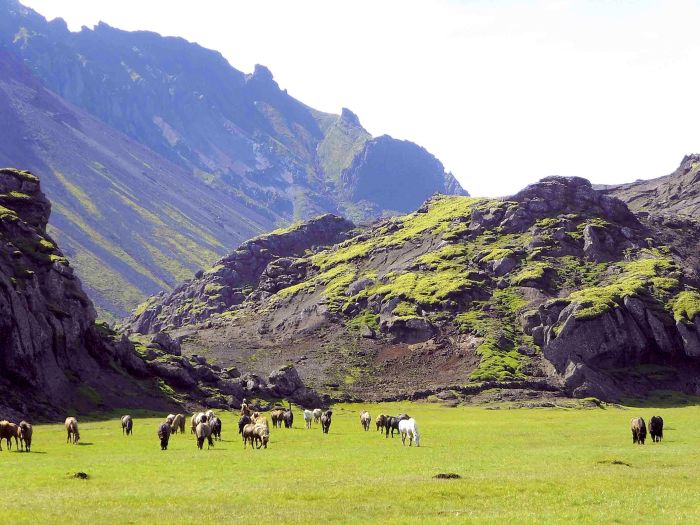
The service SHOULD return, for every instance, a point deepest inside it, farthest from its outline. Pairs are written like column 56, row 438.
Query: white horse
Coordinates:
column 317, row 415
column 408, row 428
column 308, row 418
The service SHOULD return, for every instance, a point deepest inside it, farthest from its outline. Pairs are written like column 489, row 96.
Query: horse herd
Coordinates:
column 252, row 426
column 254, row 429
column 22, row 434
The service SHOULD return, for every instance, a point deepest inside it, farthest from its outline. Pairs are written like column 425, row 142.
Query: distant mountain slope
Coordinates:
column 677, row 193
column 557, row 288
column 241, row 133
column 132, row 222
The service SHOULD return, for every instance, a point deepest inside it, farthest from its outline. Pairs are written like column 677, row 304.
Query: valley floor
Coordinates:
column 518, row 466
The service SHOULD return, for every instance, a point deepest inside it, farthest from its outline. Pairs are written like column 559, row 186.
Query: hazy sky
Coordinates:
column 503, row 93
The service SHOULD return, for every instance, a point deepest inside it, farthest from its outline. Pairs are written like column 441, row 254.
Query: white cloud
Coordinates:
column 502, row 92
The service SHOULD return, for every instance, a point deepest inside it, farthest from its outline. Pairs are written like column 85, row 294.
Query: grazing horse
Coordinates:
column 277, row 417
column 392, row 423
column 381, row 422
column 72, row 430
column 656, row 428
column 408, row 428
column 248, row 433
column 639, row 430
column 242, row 422
column 203, row 431
column 201, row 417
column 326, row 421
column 308, row 417
column 317, row 415
column 288, row 418
column 127, row 425
column 178, row 424
column 164, row 435
column 7, row 432
column 215, row 424
column 25, row 435
column 365, row 420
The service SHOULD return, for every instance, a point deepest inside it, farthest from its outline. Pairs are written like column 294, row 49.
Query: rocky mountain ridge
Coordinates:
column 671, row 195
column 557, row 288
column 240, row 132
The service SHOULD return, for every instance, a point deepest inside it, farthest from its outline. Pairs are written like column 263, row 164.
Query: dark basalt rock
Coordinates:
column 51, row 350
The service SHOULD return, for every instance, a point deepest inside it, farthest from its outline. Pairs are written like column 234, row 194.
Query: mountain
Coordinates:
column 240, row 132
column 557, row 289
column 132, row 222
column 674, row 194
column 159, row 156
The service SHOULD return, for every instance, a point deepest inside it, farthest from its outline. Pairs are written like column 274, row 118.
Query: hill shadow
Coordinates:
column 662, row 399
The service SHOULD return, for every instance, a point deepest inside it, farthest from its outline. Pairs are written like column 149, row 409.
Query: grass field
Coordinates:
column 518, row 466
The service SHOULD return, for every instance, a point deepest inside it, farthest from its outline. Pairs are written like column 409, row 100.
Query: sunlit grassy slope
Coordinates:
column 517, row 466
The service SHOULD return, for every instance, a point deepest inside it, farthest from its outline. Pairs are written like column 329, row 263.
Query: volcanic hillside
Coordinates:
column 559, row 288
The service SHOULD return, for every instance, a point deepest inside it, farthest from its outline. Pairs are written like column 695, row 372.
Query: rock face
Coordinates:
column 263, row 263
column 52, row 354
column 559, row 288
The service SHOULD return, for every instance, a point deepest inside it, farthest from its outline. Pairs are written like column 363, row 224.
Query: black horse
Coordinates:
column 288, row 418
column 243, row 422
column 392, row 423
column 164, row 435
column 326, row 421
column 215, row 424
column 656, row 428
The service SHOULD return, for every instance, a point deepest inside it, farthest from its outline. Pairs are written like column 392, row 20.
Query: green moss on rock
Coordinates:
column 686, row 306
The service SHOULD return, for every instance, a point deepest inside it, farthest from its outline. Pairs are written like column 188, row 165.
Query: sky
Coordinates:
column 503, row 93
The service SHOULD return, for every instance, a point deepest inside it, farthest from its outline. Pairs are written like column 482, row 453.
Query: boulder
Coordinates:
column 172, row 373
column 504, row 266
column 411, row 330
column 285, row 381
column 166, row 343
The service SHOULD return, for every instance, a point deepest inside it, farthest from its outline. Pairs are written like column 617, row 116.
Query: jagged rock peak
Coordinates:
column 351, row 118
column 262, row 74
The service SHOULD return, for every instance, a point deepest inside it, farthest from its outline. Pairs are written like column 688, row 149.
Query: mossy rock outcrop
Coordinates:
column 559, row 282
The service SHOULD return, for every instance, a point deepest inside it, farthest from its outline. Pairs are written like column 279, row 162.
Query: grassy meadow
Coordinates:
column 519, row 466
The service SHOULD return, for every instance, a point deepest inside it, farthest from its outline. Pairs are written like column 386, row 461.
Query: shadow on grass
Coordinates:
column 662, row 399
column 85, row 444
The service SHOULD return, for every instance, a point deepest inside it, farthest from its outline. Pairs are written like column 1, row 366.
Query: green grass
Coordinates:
column 518, row 466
